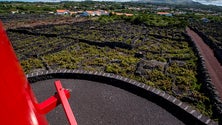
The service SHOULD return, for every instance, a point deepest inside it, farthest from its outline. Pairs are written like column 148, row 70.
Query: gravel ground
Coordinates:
column 96, row 103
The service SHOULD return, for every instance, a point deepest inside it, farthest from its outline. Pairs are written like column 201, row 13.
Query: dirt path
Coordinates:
column 211, row 62
column 32, row 22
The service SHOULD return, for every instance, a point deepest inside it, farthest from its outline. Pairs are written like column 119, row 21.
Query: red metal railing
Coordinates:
column 65, row 103
column 60, row 98
column 18, row 103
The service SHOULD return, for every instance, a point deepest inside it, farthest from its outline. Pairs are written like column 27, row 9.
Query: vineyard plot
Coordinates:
column 157, row 56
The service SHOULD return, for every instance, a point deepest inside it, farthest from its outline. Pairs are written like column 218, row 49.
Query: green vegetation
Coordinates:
column 211, row 28
column 32, row 63
column 145, row 47
column 157, row 56
column 147, row 19
column 7, row 7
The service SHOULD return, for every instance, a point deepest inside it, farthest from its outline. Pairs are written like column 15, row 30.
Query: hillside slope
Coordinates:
column 168, row 1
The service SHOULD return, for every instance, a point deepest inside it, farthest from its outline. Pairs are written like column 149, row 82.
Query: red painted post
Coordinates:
column 65, row 103
column 51, row 103
column 18, row 104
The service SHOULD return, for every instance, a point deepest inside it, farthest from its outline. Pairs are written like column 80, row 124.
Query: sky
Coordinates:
column 207, row 2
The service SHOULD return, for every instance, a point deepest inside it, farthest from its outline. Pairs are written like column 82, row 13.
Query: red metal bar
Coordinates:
column 53, row 101
column 18, row 103
column 65, row 103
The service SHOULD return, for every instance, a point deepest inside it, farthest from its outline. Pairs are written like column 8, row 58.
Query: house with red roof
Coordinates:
column 164, row 13
column 62, row 12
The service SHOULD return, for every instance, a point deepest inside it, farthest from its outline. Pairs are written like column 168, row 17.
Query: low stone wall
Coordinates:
column 208, row 86
column 97, row 43
column 179, row 109
column 109, row 44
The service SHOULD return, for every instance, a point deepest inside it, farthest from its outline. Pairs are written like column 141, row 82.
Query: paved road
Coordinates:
column 96, row 103
column 212, row 64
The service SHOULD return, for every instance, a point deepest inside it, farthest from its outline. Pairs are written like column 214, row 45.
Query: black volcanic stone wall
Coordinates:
column 208, row 86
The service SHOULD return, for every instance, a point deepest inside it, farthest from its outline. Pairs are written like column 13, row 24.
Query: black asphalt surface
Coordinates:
column 95, row 103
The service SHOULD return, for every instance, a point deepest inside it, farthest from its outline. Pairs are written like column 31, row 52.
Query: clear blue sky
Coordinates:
column 213, row 2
